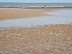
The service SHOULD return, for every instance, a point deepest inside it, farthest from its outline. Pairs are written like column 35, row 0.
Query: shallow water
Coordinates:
column 63, row 17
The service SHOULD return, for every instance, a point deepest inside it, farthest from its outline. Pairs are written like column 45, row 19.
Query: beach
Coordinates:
column 36, row 30
column 13, row 13
column 20, row 13
column 36, row 40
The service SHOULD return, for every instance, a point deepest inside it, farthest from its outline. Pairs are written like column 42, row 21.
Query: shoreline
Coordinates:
column 35, row 7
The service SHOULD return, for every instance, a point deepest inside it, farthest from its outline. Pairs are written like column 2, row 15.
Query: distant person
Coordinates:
column 44, row 7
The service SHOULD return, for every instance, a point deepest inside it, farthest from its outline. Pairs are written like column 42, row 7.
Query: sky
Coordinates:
column 38, row 1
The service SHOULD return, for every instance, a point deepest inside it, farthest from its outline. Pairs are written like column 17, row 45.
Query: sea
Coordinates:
column 7, row 4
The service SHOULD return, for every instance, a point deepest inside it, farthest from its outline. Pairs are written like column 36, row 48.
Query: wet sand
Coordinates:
column 48, row 39
column 6, row 13
column 14, row 13
column 49, row 8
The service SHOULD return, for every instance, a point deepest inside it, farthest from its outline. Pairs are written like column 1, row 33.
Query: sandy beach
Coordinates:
column 49, row 34
column 14, row 13
column 46, row 39
column 6, row 13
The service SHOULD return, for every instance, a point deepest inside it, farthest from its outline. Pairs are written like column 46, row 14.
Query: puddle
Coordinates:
column 64, row 17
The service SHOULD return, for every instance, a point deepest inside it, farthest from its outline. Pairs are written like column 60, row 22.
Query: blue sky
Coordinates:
column 38, row 1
